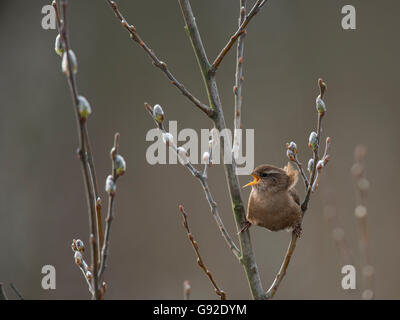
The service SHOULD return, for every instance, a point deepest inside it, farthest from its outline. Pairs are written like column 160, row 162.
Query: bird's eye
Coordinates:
column 264, row 174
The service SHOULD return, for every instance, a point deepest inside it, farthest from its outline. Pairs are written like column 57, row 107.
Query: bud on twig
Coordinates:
column 111, row 187
column 58, row 46
column 119, row 165
column 313, row 141
column 167, row 138
column 73, row 60
column 310, row 165
column 78, row 258
column 84, row 107
column 320, row 105
column 158, row 113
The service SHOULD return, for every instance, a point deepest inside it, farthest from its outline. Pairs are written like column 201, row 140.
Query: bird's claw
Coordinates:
column 298, row 231
column 246, row 227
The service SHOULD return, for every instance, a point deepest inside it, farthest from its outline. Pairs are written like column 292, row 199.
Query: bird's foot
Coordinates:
column 298, row 230
column 246, row 227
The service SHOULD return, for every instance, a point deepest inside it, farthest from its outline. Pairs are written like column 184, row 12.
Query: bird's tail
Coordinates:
column 293, row 175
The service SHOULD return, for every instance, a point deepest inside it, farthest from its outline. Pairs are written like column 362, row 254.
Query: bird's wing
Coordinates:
column 294, row 195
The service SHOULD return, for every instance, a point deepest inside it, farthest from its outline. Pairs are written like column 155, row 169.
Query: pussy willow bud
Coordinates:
column 313, row 140
column 310, row 165
column 58, row 46
column 292, row 146
column 74, row 62
column 78, row 258
column 111, row 187
column 290, row 154
column 320, row 105
column 89, row 275
column 206, row 157
column 158, row 113
column 119, row 165
column 84, row 107
column 168, row 138
column 182, row 155
column 320, row 164
column 79, row 246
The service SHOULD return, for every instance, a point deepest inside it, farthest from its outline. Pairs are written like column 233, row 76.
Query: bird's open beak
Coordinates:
column 255, row 181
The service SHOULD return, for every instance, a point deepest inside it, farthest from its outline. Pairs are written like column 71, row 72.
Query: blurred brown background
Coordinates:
column 289, row 45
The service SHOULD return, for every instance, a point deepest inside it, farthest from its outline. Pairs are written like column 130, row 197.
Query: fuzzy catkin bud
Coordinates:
column 84, row 107
column 290, row 154
column 292, row 146
column 78, row 258
column 120, row 165
column 58, row 46
column 320, row 105
column 310, row 166
column 73, row 60
column 79, row 246
column 168, row 138
column 111, row 187
column 313, row 141
column 158, row 113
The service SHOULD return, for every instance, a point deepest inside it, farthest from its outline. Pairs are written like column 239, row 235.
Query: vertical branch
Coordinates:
column 237, row 89
column 248, row 258
column 118, row 168
column 362, row 187
column 3, row 295
column 200, row 261
column 70, row 68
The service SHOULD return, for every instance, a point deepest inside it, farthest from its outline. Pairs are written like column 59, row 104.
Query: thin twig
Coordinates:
column 156, row 61
column 3, row 295
column 110, row 212
column 203, row 181
column 248, row 257
column 200, row 261
column 19, row 295
column 256, row 8
column 237, row 89
column 83, row 144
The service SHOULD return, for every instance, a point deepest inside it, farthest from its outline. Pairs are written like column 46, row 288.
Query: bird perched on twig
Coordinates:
column 274, row 203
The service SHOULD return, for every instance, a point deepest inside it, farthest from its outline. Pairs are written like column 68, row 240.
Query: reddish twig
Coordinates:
column 256, row 8
column 156, row 61
column 200, row 261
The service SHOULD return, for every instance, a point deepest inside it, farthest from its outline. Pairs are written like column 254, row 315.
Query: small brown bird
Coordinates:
column 274, row 203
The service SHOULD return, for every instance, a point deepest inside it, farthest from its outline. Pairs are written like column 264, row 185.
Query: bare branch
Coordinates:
column 200, row 261
column 83, row 152
column 203, row 181
column 118, row 169
column 3, row 295
column 19, row 295
column 248, row 258
column 237, row 89
column 256, row 8
column 156, row 61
